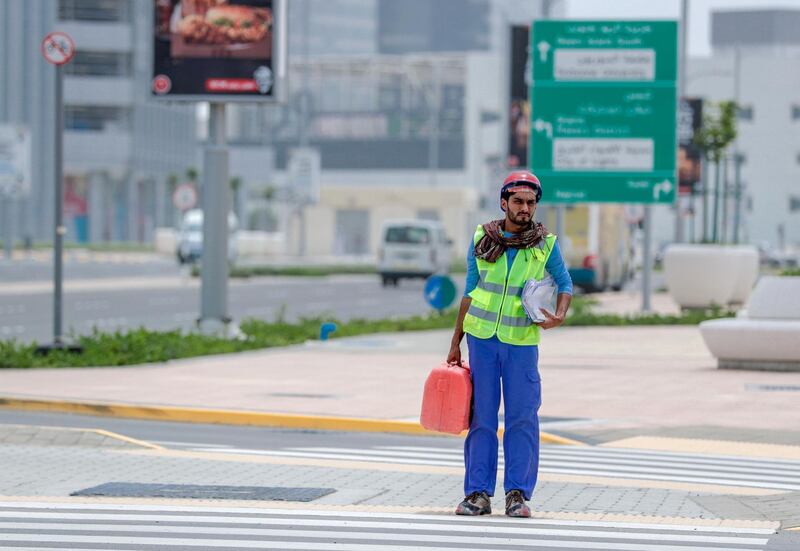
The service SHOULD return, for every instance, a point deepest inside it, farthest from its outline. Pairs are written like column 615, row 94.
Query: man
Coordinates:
column 503, row 345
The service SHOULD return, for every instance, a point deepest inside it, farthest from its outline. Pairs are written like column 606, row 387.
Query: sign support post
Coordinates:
column 214, row 317
column 60, row 230
column 58, row 49
column 647, row 259
column 217, row 64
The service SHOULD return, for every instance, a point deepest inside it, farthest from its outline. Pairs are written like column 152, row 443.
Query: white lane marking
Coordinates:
column 124, row 510
column 287, row 545
column 339, row 457
column 582, row 451
column 392, row 532
column 171, row 443
column 732, row 464
column 689, row 470
column 691, row 473
column 591, row 471
column 743, row 467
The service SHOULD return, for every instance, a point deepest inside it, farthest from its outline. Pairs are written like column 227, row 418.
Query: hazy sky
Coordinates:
column 699, row 13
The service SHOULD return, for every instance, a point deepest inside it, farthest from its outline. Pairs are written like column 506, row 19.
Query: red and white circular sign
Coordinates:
column 162, row 84
column 184, row 197
column 58, row 48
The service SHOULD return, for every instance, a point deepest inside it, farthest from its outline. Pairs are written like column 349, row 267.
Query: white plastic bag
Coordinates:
column 539, row 295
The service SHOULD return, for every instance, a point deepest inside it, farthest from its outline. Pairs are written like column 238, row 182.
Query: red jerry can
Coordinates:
column 447, row 399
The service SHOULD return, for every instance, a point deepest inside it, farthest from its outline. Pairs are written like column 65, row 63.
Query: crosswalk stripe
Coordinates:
column 592, row 471
column 394, row 531
column 335, row 546
column 744, row 468
column 334, row 456
column 706, row 471
column 255, row 514
column 686, row 472
column 567, row 459
column 24, row 525
column 582, row 451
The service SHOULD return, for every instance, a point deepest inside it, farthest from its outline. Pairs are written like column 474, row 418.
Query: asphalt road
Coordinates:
column 172, row 301
column 197, row 435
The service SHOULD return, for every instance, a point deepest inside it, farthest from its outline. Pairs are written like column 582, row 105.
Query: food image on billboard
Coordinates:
column 214, row 48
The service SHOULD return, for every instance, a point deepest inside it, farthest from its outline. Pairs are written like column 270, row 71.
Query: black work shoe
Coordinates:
column 476, row 503
column 515, row 505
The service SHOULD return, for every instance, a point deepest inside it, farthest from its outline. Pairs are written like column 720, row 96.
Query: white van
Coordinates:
column 190, row 237
column 413, row 248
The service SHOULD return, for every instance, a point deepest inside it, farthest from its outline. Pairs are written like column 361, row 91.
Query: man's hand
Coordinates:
column 454, row 356
column 551, row 320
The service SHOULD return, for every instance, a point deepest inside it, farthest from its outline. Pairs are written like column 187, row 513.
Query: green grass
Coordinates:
column 110, row 246
column 145, row 346
column 243, row 272
column 790, row 272
column 308, row 271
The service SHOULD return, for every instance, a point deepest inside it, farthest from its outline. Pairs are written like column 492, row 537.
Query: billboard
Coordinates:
column 219, row 50
column 519, row 106
column 690, row 120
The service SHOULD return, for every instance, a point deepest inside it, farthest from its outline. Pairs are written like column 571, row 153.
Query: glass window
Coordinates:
column 745, row 113
column 99, row 64
column 96, row 118
column 94, row 10
column 408, row 234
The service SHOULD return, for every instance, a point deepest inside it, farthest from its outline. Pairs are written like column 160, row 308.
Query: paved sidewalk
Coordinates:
column 601, row 383
column 57, row 472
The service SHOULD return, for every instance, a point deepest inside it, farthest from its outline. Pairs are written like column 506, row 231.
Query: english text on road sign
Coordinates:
column 603, row 110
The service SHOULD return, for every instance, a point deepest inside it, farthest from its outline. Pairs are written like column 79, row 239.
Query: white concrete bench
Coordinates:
column 766, row 336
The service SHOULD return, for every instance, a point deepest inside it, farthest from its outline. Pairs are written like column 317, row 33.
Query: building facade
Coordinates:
column 119, row 146
column 755, row 61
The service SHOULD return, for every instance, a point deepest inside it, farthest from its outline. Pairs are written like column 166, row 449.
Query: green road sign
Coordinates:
column 603, row 110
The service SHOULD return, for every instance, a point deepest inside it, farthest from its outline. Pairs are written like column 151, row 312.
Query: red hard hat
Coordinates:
column 521, row 176
column 525, row 178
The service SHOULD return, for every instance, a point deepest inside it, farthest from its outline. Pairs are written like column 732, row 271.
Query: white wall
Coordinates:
column 770, row 84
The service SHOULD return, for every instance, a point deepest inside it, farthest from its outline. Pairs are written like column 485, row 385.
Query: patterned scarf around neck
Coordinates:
column 493, row 244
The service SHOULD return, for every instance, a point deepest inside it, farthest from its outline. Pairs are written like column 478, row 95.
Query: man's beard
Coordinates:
column 520, row 220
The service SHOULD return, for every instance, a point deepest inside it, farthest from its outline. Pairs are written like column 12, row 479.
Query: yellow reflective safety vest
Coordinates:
column 496, row 304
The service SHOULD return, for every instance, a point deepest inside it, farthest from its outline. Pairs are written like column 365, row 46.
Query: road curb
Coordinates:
column 237, row 417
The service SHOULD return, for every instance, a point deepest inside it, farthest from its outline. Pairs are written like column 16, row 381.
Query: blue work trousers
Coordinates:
column 491, row 362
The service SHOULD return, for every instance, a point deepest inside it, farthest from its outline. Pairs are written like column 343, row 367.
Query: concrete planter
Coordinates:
column 765, row 337
column 700, row 276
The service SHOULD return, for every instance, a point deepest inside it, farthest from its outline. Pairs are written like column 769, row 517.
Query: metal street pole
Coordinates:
column 717, row 185
column 433, row 137
column 647, row 258
column 561, row 210
column 216, row 205
column 737, row 213
column 704, row 167
column 679, row 229
column 60, row 230
column 723, row 233
column 8, row 241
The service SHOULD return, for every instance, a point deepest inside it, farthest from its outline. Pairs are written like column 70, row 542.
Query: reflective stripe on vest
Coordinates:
column 496, row 306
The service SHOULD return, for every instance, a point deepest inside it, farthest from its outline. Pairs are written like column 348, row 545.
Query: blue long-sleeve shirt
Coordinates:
column 555, row 266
